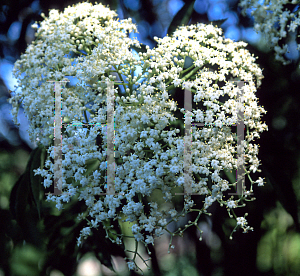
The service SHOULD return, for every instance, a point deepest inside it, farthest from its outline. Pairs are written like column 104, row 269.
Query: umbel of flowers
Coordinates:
column 275, row 19
column 89, row 44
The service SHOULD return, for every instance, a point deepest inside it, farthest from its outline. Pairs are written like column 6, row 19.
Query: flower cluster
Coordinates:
column 275, row 19
column 89, row 44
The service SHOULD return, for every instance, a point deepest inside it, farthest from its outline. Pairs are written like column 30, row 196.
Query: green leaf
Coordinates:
column 38, row 161
column 25, row 260
column 218, row 22
column 182, row 17
column 21, row 203
column 138, row 50
column 20, row 194
column 105, row 258
column 102, row 247
column 231, row 176
column 26, row 216
column 61, row 232
column 283, row 188
column 13, row 197
column 91, row 166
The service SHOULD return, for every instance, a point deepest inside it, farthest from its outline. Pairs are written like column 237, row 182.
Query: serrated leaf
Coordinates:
column 25, row 214
column 35, row 180
column 21, row 205
column 182, row 17
column 20, row 193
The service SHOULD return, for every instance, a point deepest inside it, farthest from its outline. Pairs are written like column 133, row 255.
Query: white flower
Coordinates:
column 231, row 204
column 149, row 239
column 265, row 15
column 135, row 228
column 187, row 85
column 149, row 89
column 181, row 180
column 148, row 100
column 159, row 232
column 241, row 221
column 260, row 181
column 86, row 231
column 131, row 265
column 176, row 82
column 149, row 227
column 162, row 222
column 214, row 164
column 79, row 241
column 149, row 146
column 173, row 213
column 198, row 63
column 139, row 237
column 59, row 205
column 209, row 201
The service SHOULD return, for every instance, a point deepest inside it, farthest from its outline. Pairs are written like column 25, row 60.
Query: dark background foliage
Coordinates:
column 36, row 239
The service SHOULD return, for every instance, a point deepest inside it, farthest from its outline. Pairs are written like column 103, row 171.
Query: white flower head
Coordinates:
column 143, row 148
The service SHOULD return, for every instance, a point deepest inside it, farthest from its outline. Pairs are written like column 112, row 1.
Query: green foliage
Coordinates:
column 91, row 166
column 44, row 229
column 279, row 248
column 26, row 260
column 22, row 199
column 36, row 180
column 182, row 17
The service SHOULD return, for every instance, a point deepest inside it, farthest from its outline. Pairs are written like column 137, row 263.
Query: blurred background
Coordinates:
column 273, row 248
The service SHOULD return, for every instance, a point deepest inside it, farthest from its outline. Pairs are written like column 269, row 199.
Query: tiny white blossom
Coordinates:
column 241, row 221
column 149, row 239
column 86, row 231
column 260, row 181
column 231, row 204
column 176, row 82
column 173, row 213
column 135, row 228
column 131, row 265
column 139, row 237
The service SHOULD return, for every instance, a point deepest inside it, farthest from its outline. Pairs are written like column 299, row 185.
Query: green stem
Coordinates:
column 188, row 69
column 185, row 77
column 120, row 76
column 170, row 87
column 191, row 73
column 136, row 248
column 154, row 261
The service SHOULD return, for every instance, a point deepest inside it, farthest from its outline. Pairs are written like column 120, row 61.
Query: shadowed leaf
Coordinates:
column 91, row 166
column 182, row 17
column 218, row 22
column 35, row 180
column 284, row 189
column 138, row 50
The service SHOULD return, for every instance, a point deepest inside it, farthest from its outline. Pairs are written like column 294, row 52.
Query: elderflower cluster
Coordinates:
column 275, row 19
column 83, row 42
column 87, row 43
